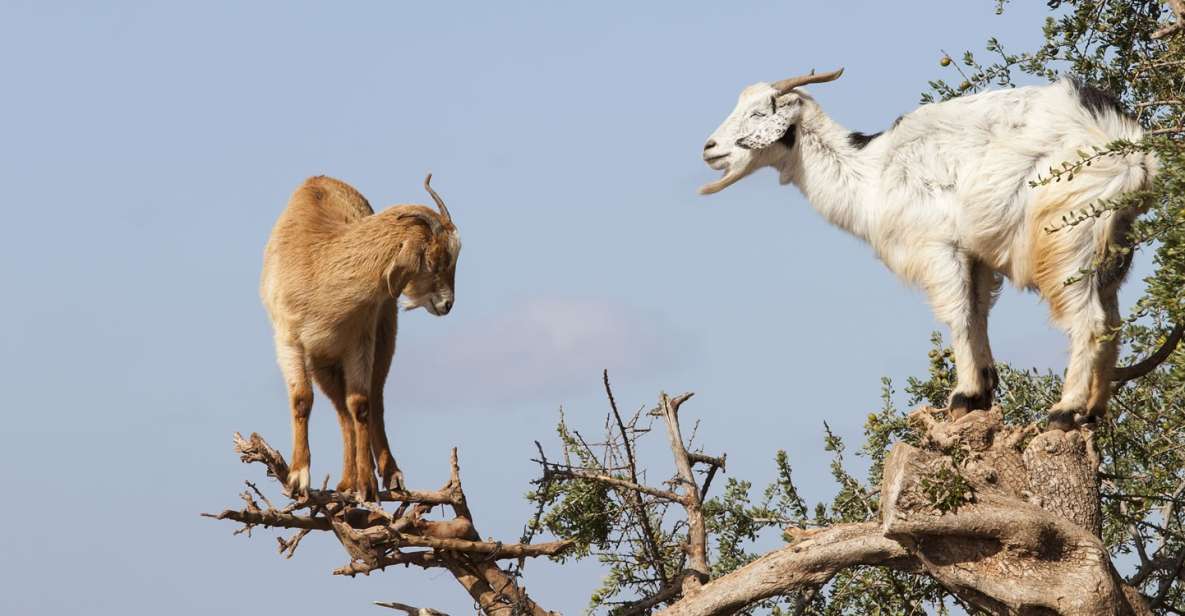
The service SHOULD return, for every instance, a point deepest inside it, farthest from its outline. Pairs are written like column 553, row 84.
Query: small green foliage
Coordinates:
column 947, row 489
column 935, row 390
column 581, row 511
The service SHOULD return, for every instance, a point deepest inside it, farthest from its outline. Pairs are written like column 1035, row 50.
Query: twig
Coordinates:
column 411, row 611
column 1148, row 364
column 697, row 535
column 1178, row 8
column 632, row 497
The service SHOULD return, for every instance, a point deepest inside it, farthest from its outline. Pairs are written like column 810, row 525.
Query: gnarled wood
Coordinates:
column 1005, row 517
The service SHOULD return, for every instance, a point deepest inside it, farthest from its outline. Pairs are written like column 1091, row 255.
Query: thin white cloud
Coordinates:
column 542, row 349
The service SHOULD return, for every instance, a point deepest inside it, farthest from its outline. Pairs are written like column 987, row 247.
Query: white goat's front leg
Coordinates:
column 950, row 280
column 986, row 288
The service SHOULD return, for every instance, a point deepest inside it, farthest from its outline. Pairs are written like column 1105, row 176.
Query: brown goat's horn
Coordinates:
column 786, row 85
column 439, row 202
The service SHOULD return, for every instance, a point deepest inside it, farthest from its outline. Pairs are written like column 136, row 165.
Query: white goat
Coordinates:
column 945, row 200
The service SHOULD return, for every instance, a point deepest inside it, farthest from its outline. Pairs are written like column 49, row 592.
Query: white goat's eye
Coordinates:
column 757, row 114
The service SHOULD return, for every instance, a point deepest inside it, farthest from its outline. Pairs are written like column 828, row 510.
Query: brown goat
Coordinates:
column 332, row 271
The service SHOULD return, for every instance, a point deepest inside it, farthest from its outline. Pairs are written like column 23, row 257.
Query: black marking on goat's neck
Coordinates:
column 858, row 140
column 790, row 136
column 1097, row 101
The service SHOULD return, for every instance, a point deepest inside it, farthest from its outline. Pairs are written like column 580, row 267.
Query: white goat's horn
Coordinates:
column 439, row 202
column 786, row 85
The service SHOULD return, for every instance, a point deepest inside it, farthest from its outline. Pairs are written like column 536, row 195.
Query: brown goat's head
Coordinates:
column 432, row 286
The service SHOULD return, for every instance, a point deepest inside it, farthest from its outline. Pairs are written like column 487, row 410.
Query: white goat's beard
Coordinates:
column 731, row 176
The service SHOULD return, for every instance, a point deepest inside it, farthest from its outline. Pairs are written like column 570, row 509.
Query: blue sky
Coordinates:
column 147, row 148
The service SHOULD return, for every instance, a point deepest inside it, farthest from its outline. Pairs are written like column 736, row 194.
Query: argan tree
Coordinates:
column 990, row 513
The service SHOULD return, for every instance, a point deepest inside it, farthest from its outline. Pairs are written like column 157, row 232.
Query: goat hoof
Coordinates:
column 1063, row 420
column 1089, row 420
column 368, row 490
column 961, row 404
column 394, row 481
column 298, row 482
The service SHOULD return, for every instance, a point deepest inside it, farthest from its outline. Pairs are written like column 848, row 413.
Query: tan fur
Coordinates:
column 1088, row 307
column 332, row 271
column 1050, row 252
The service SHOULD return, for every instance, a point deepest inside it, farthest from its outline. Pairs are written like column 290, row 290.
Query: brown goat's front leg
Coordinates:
column 384, row 351
column 333, row 383
column 357, row 367
column 291, row 358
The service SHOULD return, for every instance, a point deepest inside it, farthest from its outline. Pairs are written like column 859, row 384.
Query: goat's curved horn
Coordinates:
column 439, row 202
column 786, row 85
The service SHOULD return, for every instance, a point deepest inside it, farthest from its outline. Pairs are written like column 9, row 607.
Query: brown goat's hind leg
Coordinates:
column 357, row 369
column 333, row 384
column 291, row 358
column 384, row 351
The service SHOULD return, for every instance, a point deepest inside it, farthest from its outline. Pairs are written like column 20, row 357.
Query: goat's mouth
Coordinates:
column 717, row 161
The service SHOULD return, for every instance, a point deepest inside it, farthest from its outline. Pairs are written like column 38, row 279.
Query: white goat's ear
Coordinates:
column 766, row 125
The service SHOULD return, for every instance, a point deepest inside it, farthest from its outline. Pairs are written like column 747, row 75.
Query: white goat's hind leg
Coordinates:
column 1105, row 358
column 1086, row 321
column 948, row 282
column 291, row 357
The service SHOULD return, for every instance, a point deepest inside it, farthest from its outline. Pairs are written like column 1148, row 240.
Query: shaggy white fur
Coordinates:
column 945, row 200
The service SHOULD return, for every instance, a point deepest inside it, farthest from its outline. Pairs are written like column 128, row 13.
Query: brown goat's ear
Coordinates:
column 410, row 260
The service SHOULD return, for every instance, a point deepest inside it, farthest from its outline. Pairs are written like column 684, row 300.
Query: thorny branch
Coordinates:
column 685, row 491
column 376, row 538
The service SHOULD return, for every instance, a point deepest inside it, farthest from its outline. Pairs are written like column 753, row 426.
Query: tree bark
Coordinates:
column 1020, row 536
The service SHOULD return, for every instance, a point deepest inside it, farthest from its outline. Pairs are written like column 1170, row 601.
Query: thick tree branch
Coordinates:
column 808, row 563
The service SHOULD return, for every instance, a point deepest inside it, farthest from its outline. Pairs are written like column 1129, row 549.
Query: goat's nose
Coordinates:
column 710, row 144
column 448, row 305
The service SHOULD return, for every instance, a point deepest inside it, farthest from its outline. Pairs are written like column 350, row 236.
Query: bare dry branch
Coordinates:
column 375, row 538
column 576, row 473
column 697, row 534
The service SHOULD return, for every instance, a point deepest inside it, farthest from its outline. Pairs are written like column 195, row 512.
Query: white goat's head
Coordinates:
column 432, row 286
column 759, row 131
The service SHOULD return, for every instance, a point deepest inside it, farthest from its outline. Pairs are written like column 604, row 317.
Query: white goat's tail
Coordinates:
column 1061, row 248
